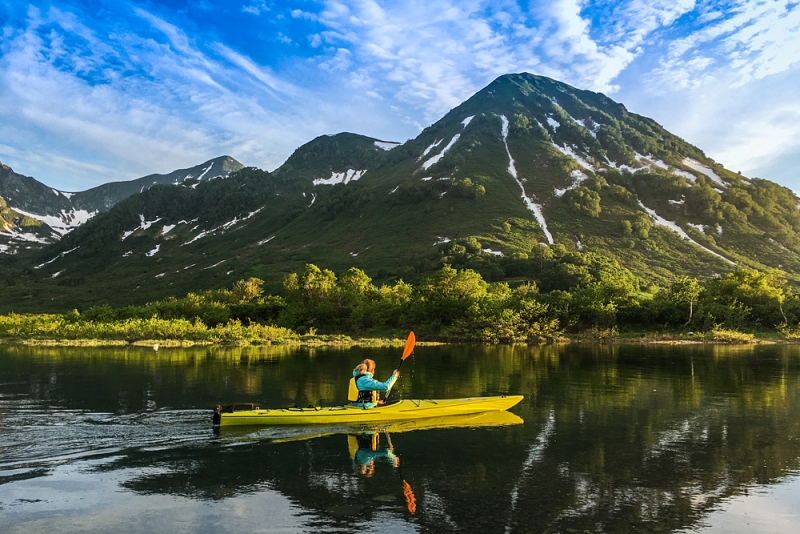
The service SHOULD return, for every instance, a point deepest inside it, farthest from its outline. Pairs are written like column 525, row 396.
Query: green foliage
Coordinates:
column 578, row 292
column 342, row 198
column 466, row 188
column 583, row 201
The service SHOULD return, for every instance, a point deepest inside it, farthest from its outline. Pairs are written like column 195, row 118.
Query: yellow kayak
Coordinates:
column 405, row 409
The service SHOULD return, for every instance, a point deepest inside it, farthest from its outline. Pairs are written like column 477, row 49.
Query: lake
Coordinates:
column 615, row 438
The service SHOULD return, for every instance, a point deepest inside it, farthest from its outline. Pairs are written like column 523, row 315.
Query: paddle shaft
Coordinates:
column 398, row 368
column 407, row 351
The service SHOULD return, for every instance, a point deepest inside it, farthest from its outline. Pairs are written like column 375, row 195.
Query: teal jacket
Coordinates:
column 368, row 383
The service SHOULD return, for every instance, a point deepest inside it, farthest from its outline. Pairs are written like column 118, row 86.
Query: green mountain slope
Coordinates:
column 59, row 212
column 526, row 169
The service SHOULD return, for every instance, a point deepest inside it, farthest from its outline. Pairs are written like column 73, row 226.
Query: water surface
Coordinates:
column 614, row 439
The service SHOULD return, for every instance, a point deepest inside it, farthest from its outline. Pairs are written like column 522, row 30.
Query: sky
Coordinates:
column 94, row 91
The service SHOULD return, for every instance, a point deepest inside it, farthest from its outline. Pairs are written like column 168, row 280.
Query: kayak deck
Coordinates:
column 405, row 409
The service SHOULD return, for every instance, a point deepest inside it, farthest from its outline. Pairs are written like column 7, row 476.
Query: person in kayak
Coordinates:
column 364, row 388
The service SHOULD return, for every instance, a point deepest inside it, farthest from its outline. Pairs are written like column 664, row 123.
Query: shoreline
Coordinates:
column 340, row 340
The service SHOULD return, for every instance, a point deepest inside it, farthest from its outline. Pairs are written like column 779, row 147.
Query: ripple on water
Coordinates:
column 36, row 437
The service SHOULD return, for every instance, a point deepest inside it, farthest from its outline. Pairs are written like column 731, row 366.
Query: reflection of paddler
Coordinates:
column 364, row 388
column 365, row 451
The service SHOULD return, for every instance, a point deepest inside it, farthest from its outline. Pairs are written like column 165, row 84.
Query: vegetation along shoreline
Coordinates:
column 594, row 300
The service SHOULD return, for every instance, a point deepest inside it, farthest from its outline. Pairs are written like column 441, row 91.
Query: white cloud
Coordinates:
column 146, row 96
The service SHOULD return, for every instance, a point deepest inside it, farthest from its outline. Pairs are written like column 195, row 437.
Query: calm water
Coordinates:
column 614, row 439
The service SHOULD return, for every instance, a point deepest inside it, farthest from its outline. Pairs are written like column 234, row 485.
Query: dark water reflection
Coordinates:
column 615, row 439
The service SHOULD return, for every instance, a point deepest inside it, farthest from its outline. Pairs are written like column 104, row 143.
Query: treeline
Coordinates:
column 589, row 293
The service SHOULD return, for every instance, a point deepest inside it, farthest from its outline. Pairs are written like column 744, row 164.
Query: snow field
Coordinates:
column 661, row 221
column 386, row 145
column 536, row 209
column 704, row 169
column 349, row 175
column 435, row 159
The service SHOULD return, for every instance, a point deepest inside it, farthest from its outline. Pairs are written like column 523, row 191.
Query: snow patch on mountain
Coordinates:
column 267, row 240
column 212, row 266
column 577, row 176
column 592, row 130
column 201, row 235
column 16, row 234
column 57, row 257
column 63, row 223
column 55, row 275
column 661, row 221
column 386, row 145
column 313, row 199
column 569, row 151
column 536, row 209
column 68, row 195
column 699, row 227
column 440, row 240
column 350, row 175
column 222, row 227
column 430, row 147
column 153, row 252
column 435, row 159
column 554, row 124
column 493, row 252
column 650, row 161
column 704, row 169
column 143, row 225
column 681, row 201
column 466, row 121
column 204, row 172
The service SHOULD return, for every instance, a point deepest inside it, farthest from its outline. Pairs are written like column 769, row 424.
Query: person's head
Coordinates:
column 370, row 365
column 360, row 368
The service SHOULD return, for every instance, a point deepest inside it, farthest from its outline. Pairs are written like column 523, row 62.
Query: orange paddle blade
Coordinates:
column 411, row 500
column 409, row 345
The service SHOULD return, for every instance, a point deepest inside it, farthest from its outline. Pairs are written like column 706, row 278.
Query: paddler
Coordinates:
column 364, row 388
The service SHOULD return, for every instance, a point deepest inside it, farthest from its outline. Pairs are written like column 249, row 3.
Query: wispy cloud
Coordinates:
column 89, row 96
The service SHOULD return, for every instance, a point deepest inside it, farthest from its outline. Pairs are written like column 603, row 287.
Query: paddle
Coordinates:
column 407, row 351
column 408, row 492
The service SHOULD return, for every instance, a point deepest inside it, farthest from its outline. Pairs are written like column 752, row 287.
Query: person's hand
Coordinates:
column 396, row 373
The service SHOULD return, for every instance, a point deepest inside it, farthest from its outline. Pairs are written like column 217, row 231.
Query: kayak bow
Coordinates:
column 396, row 411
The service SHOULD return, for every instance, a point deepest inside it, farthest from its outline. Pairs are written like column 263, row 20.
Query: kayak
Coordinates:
column 287, row 433
column 405, row 409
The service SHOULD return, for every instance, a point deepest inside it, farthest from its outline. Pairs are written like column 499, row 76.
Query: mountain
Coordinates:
column 527, row 169
column 60, row 212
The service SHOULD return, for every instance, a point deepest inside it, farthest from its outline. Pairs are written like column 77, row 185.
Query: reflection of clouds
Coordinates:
column 764, row 510
column 535, row 454
column 435, row 509
column 80, row 498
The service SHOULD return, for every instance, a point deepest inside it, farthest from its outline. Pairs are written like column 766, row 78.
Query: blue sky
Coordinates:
column 95, row 91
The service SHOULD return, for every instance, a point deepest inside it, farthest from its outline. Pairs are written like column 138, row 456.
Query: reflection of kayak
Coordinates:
column 282, row 434
column 398, row 411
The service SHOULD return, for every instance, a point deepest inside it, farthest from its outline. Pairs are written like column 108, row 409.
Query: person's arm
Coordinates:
column 370, row 384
